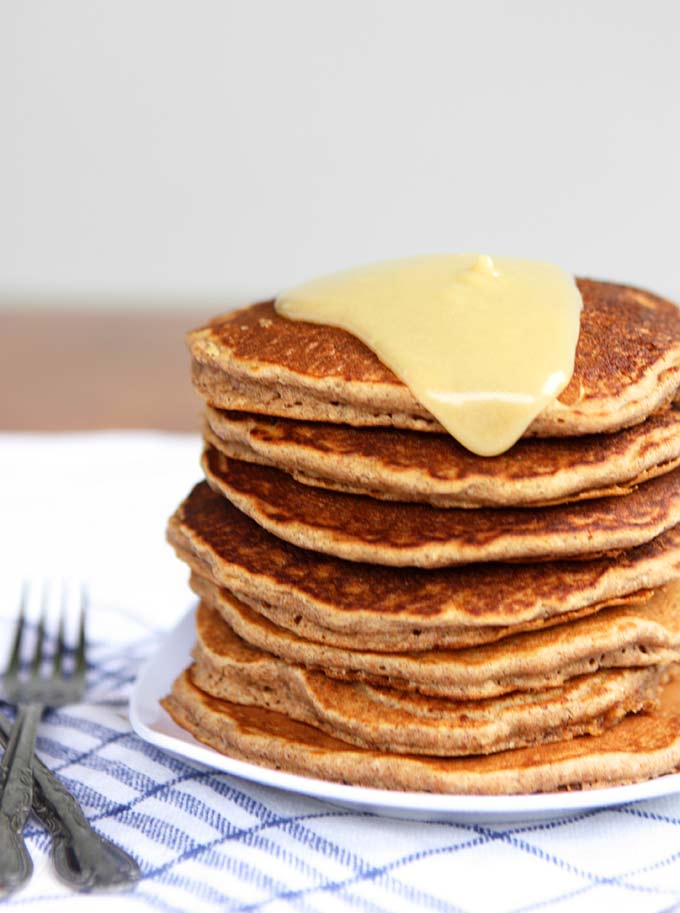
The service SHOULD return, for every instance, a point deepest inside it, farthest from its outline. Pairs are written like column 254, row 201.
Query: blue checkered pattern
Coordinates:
column 207, row 841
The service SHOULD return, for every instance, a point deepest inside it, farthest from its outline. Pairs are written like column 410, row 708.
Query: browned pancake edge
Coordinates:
column 256, row 361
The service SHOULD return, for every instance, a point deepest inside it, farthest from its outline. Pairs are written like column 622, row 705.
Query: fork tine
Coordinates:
column 80, row 649
column 15, row 656
column 40, row 638
column 59, row 650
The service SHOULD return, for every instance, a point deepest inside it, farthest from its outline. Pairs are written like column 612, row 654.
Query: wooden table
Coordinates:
column 84, row 370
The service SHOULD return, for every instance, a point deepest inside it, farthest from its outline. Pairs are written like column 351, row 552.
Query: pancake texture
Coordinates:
column 373, row 717
column 344, row 604
column 381, row 607
column 641, row 746
column 620, row 637
column 252, row 360
column 359, row 528
column 388, row 463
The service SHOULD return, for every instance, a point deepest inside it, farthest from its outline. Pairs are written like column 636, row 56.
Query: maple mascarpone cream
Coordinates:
column 485, row 344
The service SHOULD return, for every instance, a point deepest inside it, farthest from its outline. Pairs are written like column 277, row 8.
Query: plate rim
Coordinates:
column 184, row 745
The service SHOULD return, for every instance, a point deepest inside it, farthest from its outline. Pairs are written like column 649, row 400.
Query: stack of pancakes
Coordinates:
column 382, row 607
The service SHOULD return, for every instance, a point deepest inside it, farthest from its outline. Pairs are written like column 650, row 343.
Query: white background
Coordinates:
column 191, row 150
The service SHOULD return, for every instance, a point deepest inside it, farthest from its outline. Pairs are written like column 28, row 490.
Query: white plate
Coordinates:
column 154, row 725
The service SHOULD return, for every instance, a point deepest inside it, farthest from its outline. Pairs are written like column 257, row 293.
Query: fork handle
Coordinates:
column 82, row 858
column 16, row 776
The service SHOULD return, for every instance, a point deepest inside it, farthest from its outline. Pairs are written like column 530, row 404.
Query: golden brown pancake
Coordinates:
column 336, row 602
column 618, row 637
column 360, row 528
column 642, row 746
column 392, row 464
column 376, row 717
column 627, row 365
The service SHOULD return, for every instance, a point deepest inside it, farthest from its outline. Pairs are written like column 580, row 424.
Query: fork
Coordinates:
column 82, row 858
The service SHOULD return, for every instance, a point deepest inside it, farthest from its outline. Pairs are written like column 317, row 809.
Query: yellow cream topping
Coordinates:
column 484, row 344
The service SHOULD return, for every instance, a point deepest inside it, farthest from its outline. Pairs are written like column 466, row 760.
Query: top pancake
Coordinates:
column 627, row 365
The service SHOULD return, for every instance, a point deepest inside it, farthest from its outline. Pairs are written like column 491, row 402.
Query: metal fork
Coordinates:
column 81, row 857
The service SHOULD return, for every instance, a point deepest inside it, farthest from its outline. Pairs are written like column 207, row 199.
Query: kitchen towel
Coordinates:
column 90, row 509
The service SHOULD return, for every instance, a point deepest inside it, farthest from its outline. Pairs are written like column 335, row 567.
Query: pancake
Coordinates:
column 360, row 528
column 642, row 746
column 619, row 637
column 391, row 464
column 252, row 360
column 336, row 602
column 414, row 639
column 382, row 718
